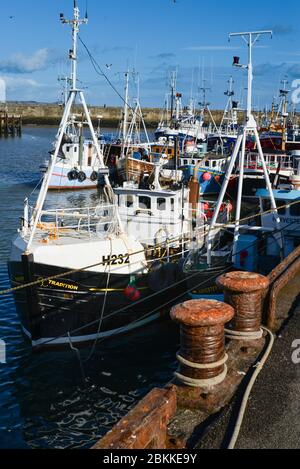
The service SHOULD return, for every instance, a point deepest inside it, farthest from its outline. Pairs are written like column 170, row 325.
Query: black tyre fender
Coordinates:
column 81, row 176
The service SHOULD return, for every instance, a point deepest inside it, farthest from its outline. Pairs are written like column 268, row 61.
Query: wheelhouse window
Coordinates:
column 172, row 205
column 145, row 202
column 295, row 210
column 266, row 205
column 161, row 204
column 129, row 200
column 281, row 205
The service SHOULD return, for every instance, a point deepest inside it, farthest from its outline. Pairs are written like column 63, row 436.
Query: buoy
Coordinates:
column 136, row 296
column 132, row 293
column 217, row 178
column 206, row 177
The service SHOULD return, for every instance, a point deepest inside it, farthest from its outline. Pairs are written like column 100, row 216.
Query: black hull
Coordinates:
column 74, row 304
column 202, row 283
column 251, row 184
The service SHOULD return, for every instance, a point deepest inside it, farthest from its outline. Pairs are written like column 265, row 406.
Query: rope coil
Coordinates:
column 199, row 366
column 202, row 383
column 237, row 335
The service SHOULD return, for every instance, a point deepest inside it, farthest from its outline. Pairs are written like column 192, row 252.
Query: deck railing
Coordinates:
column 87, row 221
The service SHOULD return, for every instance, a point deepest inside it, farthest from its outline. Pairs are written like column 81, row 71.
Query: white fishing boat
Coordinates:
column 78, row 275
column 77, row 166
column 178, row 122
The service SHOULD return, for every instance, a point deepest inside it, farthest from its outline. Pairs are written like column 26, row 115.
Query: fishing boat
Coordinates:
column 78, row 275
column 282, row 132
column 210, row 169
column 238, row 245
column 128, row 156
column 78, row 165
column 224, row 137
column 178, row 122
column 156, row 214
column 212, row 157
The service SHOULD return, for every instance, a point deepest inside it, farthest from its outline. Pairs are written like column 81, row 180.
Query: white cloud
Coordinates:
column 15, row 83
column 20, row 63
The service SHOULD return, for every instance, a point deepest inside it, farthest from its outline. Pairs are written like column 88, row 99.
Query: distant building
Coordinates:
column 2, row 91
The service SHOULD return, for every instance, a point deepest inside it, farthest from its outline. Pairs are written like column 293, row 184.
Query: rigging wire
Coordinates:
column 103, row 307
column 100, row 72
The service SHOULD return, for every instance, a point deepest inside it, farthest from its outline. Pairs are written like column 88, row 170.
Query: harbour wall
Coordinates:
column 50, row 114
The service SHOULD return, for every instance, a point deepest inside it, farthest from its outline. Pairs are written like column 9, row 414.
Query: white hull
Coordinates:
column 60, row 181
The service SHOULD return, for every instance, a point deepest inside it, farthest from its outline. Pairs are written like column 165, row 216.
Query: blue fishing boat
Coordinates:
column 210, row 170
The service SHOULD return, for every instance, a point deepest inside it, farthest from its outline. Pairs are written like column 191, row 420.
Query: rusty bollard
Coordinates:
column 202, row 355
column 245, row 291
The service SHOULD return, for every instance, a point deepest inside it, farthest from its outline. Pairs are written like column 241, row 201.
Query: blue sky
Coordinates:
column 152, row 36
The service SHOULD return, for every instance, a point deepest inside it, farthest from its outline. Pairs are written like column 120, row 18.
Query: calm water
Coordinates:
column 45, row 402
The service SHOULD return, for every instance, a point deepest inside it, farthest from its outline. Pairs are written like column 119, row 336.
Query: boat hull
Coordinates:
column 207, row 186
column 60, row 180
column 87, row 305
column 130, row 169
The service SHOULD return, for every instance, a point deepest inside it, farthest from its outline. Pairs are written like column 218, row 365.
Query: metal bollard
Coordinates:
column 244, row 291
column 202, row 356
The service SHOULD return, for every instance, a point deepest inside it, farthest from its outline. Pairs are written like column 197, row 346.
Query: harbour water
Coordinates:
column 53, row 399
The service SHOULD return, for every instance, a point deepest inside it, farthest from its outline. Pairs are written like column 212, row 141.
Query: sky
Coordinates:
column 151, row 37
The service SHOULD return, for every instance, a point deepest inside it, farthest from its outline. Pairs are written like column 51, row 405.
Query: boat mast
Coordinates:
column 283, row 111
column 232, row 119
column 66, row 84
column 205, row 106
column 126, row 108
column 248, row 128
column 73, row 92
column 173, row 90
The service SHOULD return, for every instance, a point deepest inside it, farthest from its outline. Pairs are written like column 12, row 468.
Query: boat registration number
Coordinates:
column 115, row 259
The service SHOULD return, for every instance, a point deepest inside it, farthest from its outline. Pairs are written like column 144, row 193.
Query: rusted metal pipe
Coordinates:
column 202, row 356
column 245, row 292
